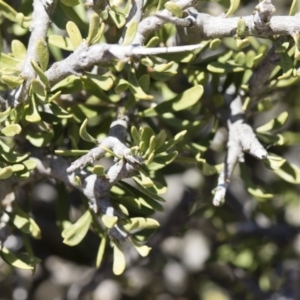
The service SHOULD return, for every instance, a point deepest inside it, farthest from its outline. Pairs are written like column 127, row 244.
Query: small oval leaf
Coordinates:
column 11, row 130
column 132, row 27
column 76, row 232
column 119, row 264
column 74, row 34
column 85, row 135
column 101, row 250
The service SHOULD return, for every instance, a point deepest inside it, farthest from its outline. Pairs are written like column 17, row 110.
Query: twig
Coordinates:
column 85, row 57
column 114, row 141
column 135, row 14
column 241, row 138
column 42, row 11
column 154, row 22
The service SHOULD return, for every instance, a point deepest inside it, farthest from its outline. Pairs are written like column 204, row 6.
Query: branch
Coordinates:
column 42, row 11
column 84, row 57
column 114, row 141
column 136, row 14
column 261, row 24
column 96, row 188
column 241, row 138
column 153, row 23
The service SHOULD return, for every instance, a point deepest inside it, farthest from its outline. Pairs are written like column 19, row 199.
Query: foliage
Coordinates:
column 177, row 104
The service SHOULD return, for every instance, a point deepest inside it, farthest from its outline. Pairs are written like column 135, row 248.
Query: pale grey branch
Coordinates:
column 84, row 57
column 153, row 23
column 241, row 138
column 42, row 11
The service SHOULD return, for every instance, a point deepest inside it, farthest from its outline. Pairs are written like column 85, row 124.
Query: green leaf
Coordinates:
column 11, row 156
column 30, row 164
column 141, row 223
column 7, row 11
column 164, row 67
column 136, row 90
column 153, row 42
column 131, row 30
column 274, row 123
column 6, row 172
column 270, row 139
column 23, row 21
column 24, row 223
column 93, row 28
column 241, row 27
column 135, row 135
column 39, row 139
column 289, row 172
column 119, row 264
column 122, row 86
column 144, row 82
column 61, row 42
column 74, row 34
column 58, row 111
column 109, row 221
column 101, row 250
column 173, row 141
column 34, row 229
column 254, row 190
column 234, row 4
column 98, row 170
column 70, row 2
column 85, row 135
column 18, row 49
column 151, row 147
column 40, row 72
column 103, row 82
column 160, row 139
column 161, row 160
column 146, row 134
column 241, row 44
column 286, row 64
column 42, row 54
column 69, row 85
column 75, row 152
column 31, row 112
column 10, row 61
column 258, row 192
column 12, row 81
column 183, row 101
column 18, row 167
column 77, row 181
column 4, row 114
column 139, row 192
column 244, row 259
column 174, row 8
column 206, row 168
column 99, row 34
column 295, row 7
column 143, row 250
column 215, row 44
column 163, row 76
column 11, row 130
column 76, row 232
column 38, row 87
column 21, row 261
column 146, row 181
column 274, row 161
column 224, row 68
column 117, row 18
